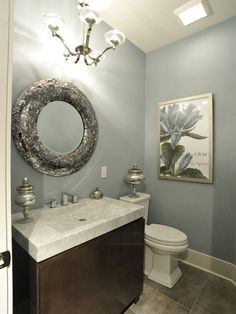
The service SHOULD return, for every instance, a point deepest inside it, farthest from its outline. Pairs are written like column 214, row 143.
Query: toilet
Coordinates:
column 162, row 245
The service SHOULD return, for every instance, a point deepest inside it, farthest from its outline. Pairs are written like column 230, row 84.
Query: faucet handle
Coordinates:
column 64, row 198
column 75, row 198
column 51, row 202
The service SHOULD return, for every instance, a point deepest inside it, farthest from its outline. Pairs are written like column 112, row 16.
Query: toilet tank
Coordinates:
column 143, row 199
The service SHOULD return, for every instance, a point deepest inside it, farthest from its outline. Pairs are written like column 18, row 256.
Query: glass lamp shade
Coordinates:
column 54, row 20
column 114, row 38
column 89, row 16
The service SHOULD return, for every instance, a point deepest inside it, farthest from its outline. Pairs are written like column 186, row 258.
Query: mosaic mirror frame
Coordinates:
column 25, row 115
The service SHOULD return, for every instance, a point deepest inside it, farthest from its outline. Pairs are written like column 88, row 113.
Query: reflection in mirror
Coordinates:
column 60, row 127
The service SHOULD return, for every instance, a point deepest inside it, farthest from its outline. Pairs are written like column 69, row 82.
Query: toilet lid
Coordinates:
column 165, row 234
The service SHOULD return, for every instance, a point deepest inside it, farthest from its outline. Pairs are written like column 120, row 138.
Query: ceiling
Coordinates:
column 151, row 24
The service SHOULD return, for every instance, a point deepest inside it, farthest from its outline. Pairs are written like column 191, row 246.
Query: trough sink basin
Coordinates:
column 55, row 230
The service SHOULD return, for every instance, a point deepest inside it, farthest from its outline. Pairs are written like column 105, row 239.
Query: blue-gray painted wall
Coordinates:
column 202, row 63
column 115, row 89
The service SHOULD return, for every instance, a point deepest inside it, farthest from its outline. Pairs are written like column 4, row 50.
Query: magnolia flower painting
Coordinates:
column 185, row 139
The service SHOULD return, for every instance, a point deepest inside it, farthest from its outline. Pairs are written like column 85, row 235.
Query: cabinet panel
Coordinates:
column 102, row 276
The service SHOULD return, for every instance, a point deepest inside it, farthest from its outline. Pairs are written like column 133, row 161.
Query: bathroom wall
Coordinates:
column 202, row 63
column 115, row 89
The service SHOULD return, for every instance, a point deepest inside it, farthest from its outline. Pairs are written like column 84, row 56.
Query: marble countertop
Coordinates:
column 55, row 230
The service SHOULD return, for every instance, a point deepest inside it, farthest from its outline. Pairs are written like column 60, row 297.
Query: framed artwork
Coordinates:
column 185, row 144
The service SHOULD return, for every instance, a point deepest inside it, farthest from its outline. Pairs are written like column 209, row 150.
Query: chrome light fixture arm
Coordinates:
column 86, row 51
column 65, row 45
column 55, row 34
column 97, row 59
column 114, row 38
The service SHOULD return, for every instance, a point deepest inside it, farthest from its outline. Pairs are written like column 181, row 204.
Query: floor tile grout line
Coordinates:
column 174, row 301
column 180, row 304
column 183, row 306
column 170, row 299
column 197, row 298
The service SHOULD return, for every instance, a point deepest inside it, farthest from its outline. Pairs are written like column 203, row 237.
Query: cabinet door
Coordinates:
column 102, row 276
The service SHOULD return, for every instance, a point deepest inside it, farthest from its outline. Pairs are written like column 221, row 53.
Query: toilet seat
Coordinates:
column 165, row 235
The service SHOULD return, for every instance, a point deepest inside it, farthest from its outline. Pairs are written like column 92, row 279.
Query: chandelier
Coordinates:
column 89, row 18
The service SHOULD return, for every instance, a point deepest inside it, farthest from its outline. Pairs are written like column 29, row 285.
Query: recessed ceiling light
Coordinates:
column 192, row 11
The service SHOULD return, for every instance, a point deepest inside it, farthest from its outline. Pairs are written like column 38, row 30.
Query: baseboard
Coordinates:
column 234, row 274
column 210, row 264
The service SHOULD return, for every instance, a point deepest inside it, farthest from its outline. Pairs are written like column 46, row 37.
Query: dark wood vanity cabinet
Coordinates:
column 101, row 276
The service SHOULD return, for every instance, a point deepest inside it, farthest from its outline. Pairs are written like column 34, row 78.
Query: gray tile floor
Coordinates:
column 196, row 292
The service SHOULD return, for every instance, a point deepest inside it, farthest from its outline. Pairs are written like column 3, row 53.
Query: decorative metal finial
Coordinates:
column 96, row 194
column 25, row 198
column 134, row 177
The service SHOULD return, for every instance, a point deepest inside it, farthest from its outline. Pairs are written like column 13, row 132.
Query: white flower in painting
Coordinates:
column 177, row 121
column 184, row 162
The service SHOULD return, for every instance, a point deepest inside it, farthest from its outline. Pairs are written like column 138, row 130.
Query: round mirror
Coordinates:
column 54, row 127
column 60, row 127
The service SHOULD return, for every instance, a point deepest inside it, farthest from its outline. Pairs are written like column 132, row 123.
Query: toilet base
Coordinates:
column 148, row 260
column 165, row 270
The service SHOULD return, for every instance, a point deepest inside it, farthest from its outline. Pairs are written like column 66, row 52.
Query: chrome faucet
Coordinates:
column 66, row 198
column 75, row 198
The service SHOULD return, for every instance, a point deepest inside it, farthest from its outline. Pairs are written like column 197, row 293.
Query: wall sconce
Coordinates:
column 89, row 18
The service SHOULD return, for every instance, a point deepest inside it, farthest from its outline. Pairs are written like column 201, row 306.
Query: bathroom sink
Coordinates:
column 55, row 230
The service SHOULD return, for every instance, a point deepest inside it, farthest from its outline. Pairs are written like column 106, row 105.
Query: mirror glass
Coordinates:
column 60, row 127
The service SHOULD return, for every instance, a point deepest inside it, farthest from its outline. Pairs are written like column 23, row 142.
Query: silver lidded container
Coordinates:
column 25, row 198
column 96, row 194
column 134, row 177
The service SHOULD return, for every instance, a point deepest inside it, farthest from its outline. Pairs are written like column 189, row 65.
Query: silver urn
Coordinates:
column 96, row 194
column 25, row 198
column 134, row 177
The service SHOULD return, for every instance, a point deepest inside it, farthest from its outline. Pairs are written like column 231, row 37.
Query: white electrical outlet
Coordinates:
column 104, row 172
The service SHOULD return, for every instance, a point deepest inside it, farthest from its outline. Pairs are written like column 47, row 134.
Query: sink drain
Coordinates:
column 82, row 219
